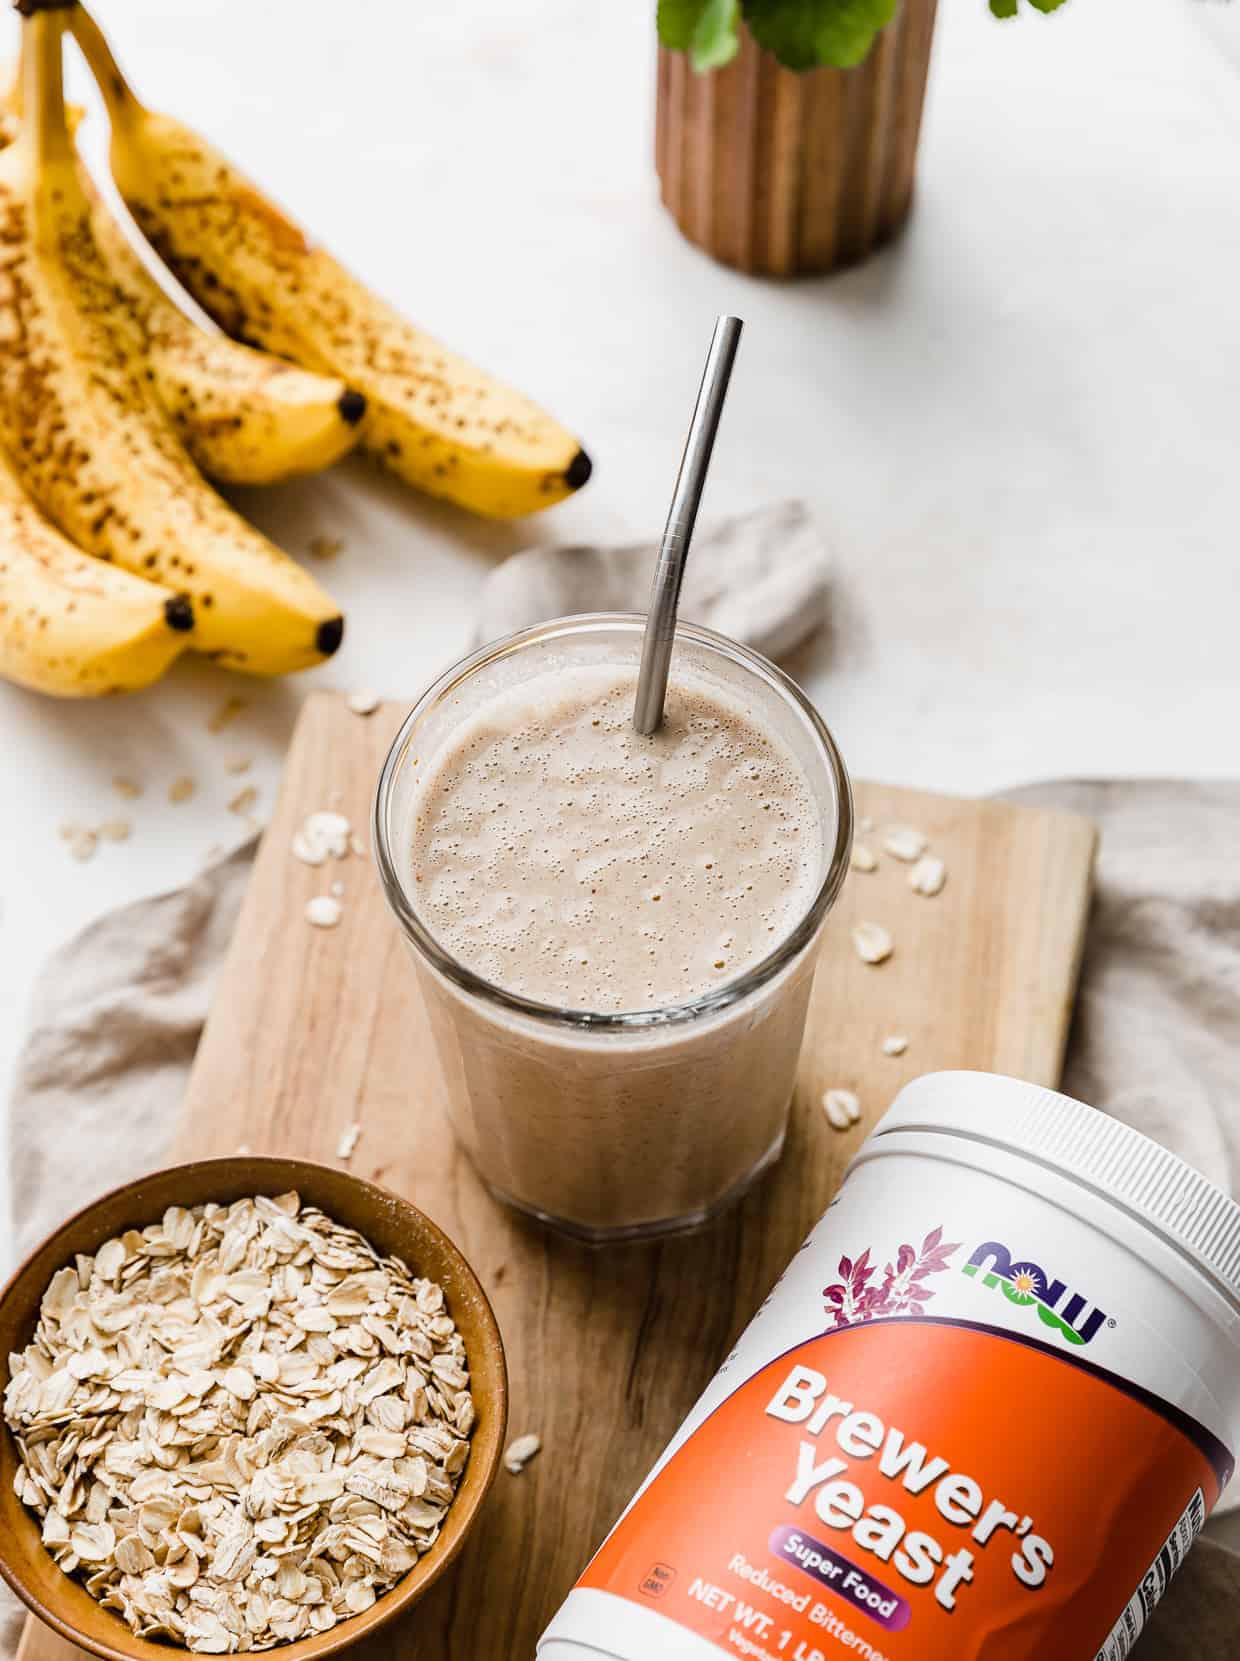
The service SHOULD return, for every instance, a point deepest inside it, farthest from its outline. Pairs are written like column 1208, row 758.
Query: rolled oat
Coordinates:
column 241, row 1424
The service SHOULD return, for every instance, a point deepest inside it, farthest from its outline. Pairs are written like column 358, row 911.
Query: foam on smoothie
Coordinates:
column 565, row 857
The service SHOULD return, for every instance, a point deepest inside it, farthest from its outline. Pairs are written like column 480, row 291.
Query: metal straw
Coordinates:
column 678, row 532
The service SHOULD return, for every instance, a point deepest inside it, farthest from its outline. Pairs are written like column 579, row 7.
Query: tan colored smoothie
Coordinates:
column 614, row 934
column 568, row 858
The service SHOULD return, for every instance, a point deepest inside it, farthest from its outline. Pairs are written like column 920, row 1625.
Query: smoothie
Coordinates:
column 614, row 934
column 569, row 859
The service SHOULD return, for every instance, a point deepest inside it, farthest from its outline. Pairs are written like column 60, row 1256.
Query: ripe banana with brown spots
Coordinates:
column 432, row 418
column 245, row 416
column 86, row 434
column 71, row 625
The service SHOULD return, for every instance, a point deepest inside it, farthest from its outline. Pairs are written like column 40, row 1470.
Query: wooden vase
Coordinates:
column 781, row 173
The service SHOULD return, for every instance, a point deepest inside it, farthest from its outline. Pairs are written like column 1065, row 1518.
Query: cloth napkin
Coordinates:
column 117, row 1013
column 761, row 578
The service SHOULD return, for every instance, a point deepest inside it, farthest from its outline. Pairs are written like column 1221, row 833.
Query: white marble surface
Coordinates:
column 1019, row 425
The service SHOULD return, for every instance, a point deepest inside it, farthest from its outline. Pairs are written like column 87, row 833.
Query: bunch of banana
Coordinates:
column 431, row 417
column 115, row 554
column 92, row 445
column 245, row 416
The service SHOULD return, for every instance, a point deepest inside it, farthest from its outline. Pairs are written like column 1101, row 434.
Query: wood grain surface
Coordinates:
column 314, row 1030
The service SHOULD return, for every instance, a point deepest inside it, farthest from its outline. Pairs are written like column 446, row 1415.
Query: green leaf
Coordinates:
column 715, row 40
column 706, row 29
column 786, row 27
column 801, row 33
column 1011, row 8
column 805, row 33
column 677, row 21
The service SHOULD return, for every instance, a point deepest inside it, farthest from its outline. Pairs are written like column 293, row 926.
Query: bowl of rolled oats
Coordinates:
column 248, row 1403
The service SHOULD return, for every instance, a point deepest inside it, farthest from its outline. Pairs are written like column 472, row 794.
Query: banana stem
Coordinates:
column 118, row 95
column 45, row 125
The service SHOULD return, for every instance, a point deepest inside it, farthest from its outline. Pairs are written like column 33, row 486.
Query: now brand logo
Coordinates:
column 1028, row 1284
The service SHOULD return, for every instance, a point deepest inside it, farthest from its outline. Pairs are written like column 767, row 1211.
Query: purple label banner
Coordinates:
column 838, row 1574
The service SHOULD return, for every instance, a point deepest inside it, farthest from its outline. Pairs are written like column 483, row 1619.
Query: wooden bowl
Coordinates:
column 392, row 1225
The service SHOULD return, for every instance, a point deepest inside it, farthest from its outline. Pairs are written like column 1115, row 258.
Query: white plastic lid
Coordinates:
column 1091, row 1148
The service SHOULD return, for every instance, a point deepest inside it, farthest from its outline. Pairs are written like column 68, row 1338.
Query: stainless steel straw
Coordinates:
column 678, row 532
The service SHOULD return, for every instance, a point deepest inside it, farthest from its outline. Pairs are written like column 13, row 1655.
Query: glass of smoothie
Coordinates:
column 614, row 934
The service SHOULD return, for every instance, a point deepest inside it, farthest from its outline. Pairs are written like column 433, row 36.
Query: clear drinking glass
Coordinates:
column 615, row 1125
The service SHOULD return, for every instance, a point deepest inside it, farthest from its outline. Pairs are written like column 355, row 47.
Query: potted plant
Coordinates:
column 786, row 131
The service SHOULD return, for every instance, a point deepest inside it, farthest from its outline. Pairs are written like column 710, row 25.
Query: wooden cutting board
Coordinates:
column 316, row 1030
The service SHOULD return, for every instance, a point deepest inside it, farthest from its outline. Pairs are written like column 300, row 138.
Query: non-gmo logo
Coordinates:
column 1025, row 1283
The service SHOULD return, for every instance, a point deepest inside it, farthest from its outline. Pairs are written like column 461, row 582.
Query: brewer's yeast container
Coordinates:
column 982, row 1416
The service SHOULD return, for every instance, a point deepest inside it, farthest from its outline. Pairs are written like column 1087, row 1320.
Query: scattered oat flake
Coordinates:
column 357, row 846
column 903, row 842
column 896, row 1044
column 348, row 1141
column 238, row 764
column 337, row 888
column 519, row 1453
column 326, row 547
column 82, row 844
column 322, row 836
column 363, row 703
column 324, row 911
column 244, row 1148
column 244, row 800
column 862, row 858
column 872, row 941
column 124, row 786
column 180, row 790
column 116, row 830
column 842, row 1108
column 226, row 714
column 928, row 876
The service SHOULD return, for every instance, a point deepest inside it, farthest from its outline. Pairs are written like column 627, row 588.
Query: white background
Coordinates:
column 1019, row 426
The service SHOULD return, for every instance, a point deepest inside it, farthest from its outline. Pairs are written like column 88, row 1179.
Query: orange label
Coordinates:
column 913, row 1489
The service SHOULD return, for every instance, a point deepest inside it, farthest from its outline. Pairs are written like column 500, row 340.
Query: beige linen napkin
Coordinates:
column 761, row 578
column 1156, row 1036
column 117, row 1014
